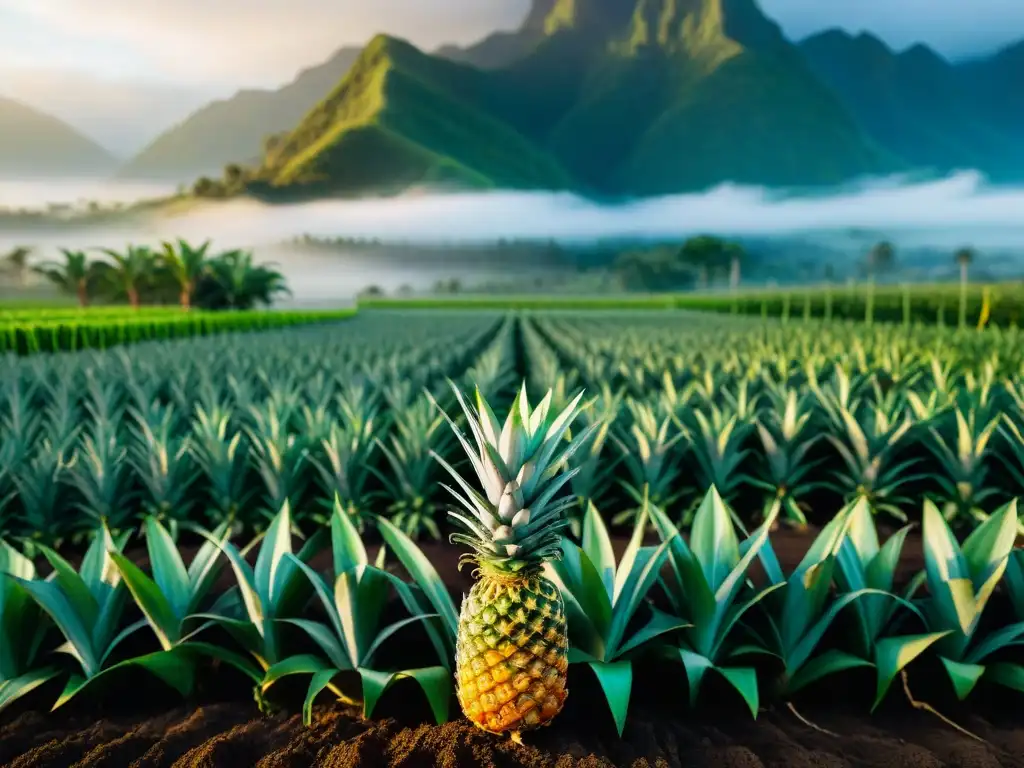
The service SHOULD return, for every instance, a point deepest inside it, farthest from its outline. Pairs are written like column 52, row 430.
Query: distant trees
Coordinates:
column 881, row 258
column 660, row 269
column 174, row 273
column 696, row 262
column 273, row 142
column 15, row 262
column 232, row 182
column 451, row 286
column 204, row 187
column 128, row 271
column 74, row 275
column 964, row 257
column 736, row 256
column 711, row 255
column 234, row 281
column 186, row 266
column 233, row 174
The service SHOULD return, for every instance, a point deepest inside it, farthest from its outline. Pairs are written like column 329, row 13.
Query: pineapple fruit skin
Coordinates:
column 512, row 653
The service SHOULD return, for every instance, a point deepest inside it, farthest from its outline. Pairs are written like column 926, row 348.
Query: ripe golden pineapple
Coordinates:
column 512, row 647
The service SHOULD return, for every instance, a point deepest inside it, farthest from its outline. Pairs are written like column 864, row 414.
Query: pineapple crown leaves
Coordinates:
column 86, row 604
column 520, row 465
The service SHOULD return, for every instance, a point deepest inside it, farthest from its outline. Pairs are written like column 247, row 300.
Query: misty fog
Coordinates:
column 945, row 213
column 39, row 193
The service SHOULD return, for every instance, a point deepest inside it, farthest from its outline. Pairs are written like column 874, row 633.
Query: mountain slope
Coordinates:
column 630, row 97
column 697, row 92
column 399, row 118
column 234, row 130
column 917, row 104
column 995, row 87
column 33, row 144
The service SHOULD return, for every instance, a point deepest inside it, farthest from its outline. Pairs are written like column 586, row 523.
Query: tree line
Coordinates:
column 671, row 268
column 706, row 258
column 174, row 272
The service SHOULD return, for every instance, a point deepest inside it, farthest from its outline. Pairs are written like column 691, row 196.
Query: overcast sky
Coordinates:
column 123, row 69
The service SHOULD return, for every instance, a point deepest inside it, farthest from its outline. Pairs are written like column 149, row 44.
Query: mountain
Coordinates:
column 402, row 117
column 502, row 49
column 995, row 82
column 234, row 130
column 612, row 97
column 921, row 107
column 34, row 144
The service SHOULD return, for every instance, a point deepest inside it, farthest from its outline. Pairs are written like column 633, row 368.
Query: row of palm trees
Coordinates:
column 882, row 258
column 175, row 272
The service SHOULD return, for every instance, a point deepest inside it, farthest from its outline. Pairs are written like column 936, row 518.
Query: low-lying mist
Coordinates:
column 944, row 214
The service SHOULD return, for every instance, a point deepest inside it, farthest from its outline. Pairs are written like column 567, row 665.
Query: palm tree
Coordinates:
column 964, row 257
column 186, row 265
column 16, row 262
column 736, row 254
column 73, row 275
column 881, row 257
column 235, row 282
column 130, row 270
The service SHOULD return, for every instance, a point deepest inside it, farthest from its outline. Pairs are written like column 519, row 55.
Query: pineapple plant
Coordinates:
column 511, row 645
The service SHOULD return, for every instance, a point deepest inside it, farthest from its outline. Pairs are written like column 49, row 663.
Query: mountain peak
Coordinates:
column 591, row 15
column 704, row 29
column 921, row 55
column 38, row 144
column 863, row 40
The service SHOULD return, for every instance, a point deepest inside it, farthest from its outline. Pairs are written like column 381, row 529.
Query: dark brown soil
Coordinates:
column 233, row 736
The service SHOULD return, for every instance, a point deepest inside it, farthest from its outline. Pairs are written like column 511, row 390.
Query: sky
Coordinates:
column 123, row 70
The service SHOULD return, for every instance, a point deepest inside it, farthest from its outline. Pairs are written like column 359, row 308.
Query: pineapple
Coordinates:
column 512, row 647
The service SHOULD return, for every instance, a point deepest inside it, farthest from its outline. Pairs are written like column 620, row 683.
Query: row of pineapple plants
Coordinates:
column 231, row 428
column 543, row 601
column 42, row 332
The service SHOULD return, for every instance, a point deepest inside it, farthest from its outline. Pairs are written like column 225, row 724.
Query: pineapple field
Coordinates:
column 681, row 533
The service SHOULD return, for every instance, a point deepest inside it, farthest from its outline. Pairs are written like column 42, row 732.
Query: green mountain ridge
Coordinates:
column 623, row 98
column 402, row 117
column 35, row 144
column 996, row 83
column 922, row 107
